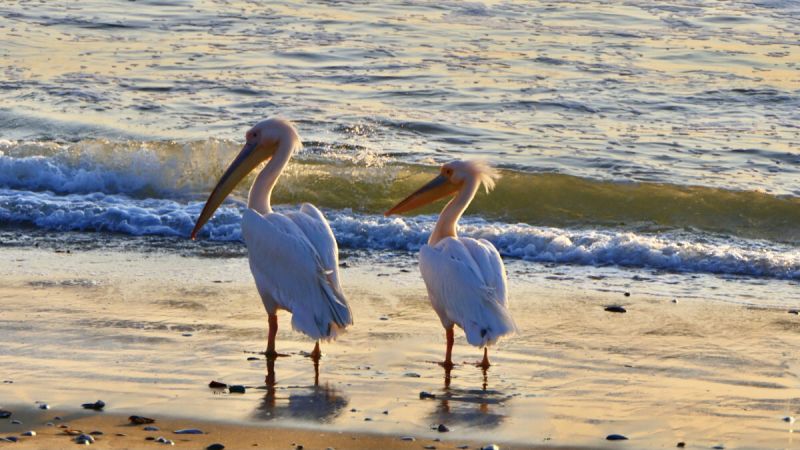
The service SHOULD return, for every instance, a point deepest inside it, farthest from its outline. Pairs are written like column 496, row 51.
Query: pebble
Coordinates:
column 57, row 418
column 616, row 437
column 252, row 358
column 674, row 300
column 490, row 447
column 97, row 433
column 237, row 389
column 4, row 414
column 386, row 412
column 788, row 419
column 442, row 428
column 150, row 428
column 367, row 419
column 97, row 406
column 16, row 422
column 149, row 438
column 681, row 444
column 215, row 446
column 44, row 406
column 186, row 334
column 29, row 433
column 11, row 439
column 412, row 375
column 794, row 311
column 615, row 309
column 217, row 385
column 408, row 438
column 718, row 447
column 430, row 447
column 425, row 394
column 50, row 424
column 462, row 447
column 85, row 439
column 140, row 420
column 383, row 318
column 189, row 431
column 627, row 294
column 121, row 434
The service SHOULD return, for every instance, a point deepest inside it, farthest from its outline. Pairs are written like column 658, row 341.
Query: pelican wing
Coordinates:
column 290, row 271
column 466, row 284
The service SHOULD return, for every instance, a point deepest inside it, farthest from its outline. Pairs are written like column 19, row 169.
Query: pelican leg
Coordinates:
column 316, row 354
column 448, row 355
column 485, row 363
column 273, row 331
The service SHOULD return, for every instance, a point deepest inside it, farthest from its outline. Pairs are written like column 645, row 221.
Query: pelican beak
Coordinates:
column 245, row 162
column 435, row 189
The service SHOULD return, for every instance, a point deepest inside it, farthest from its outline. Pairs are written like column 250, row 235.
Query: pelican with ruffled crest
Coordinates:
column 293, row 256
column 465, row 277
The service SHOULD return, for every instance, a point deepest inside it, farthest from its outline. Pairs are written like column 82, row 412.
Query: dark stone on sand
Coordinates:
column 140, row 420
column 29, row 433
column 12, row 439
column 189, row 431
column 627, row 294
column 681, row 445
column 424, row 394
column 217, row 385
column 252, row 358
column 237, row 389
column 150, row 428
column 616, row 309
column 794, row 311
column 616, row 437
column 97, row 406
column 215, row 446
column 367, row 419
column 149, row 438
column 442, row 428
column 84, row 438
column 4, row 414
column 16, row 422
column 386, row 412
column 97, row 433
column 57, row 418
column 299, row 447
column 121, row 434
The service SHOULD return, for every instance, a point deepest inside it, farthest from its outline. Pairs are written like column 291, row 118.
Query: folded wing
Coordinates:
column 466, row 284
column 294, row 258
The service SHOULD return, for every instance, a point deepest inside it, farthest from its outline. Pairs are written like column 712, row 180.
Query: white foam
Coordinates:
column 163, row 217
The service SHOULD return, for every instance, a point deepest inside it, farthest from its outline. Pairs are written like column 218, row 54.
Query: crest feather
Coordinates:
column 486, row 174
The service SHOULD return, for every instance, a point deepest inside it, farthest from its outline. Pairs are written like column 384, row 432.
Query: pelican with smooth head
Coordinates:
column 293, row 256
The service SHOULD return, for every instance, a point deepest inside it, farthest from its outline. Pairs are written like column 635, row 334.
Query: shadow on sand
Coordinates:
column 310, row 403
column 473, row 408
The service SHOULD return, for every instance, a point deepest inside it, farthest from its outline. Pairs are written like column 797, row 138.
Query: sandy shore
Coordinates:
column 146, row 332
column 119, row 433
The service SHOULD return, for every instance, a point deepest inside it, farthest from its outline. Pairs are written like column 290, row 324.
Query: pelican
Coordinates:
column 465, row 277
column 293, row 256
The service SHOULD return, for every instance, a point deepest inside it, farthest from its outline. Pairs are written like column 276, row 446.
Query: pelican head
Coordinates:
column 262, row 141
column 452, row 177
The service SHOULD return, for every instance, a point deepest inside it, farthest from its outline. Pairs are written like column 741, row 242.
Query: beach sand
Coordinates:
column 147, row 331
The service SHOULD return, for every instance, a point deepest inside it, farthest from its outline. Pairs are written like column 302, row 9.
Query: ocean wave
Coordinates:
column 687, row 252
column 369, row 184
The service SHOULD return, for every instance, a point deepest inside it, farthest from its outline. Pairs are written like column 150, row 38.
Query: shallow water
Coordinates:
column 646, row 134
column 146, row 332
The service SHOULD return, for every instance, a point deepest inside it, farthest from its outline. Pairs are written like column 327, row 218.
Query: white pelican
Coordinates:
column 465, row 277
column 294, row 256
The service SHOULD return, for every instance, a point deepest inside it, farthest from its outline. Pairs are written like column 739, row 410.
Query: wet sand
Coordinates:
column 146, row 332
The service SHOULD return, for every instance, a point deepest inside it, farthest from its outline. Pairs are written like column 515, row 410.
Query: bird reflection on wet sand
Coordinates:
column 318, row 403
column 469, row 407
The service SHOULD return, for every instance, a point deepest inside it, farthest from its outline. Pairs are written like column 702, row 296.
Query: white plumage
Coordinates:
column 466, row 284
column 294, row 260
column 465, row 277
column 294, row 256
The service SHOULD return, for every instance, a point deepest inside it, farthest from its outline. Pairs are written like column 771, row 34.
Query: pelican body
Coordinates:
column 294, row 256
column 465, row 277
